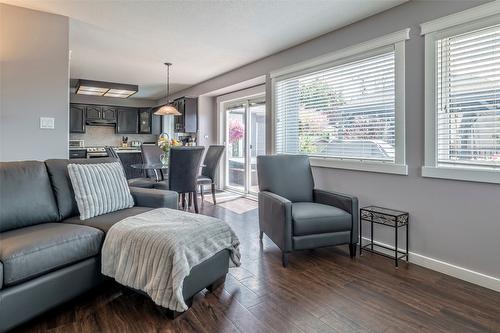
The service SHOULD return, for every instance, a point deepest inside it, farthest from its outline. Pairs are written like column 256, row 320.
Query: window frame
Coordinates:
column 463, row 22
column 393, row 42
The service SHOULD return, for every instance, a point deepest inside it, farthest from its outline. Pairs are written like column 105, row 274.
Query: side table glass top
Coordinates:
column 385, row 211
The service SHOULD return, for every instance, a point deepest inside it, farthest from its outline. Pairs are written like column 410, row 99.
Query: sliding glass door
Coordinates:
column 245, row 123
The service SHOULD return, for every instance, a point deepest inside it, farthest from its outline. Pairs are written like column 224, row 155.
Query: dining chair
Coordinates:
column 134, row 182
column 210, row 164
column 151, row 154
column 183, row 169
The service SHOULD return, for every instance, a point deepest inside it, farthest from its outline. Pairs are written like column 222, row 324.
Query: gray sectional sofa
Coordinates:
column 48, row 255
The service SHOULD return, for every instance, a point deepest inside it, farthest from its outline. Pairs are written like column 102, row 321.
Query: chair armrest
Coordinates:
column 275, row 219
column 153, row 198
column 343, row 201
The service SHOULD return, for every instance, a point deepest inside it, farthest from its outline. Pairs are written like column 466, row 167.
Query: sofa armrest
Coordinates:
column 148, row 197
column 343, row 201
column 275, row 219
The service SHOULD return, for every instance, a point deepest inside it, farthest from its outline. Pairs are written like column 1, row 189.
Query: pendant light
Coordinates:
column 167, row 109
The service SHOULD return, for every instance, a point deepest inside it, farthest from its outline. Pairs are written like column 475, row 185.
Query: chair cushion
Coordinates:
column 312, row 218
column 141, row 182
column 106, row 221
column 26, row 196
column 203, row 180
column 32, row 251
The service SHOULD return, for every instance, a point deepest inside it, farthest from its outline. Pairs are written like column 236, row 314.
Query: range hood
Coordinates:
column 101, row 122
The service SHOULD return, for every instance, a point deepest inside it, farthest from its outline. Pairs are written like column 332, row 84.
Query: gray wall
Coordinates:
column 34, row 78
column 207, row 121
column 452, row 221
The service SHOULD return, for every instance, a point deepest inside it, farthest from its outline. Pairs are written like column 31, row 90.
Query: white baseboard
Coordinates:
column 461, row 273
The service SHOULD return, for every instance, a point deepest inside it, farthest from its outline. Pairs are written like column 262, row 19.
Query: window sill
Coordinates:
column 369, row 166
column 457, row 173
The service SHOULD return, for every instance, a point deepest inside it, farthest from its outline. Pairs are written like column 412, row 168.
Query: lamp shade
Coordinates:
column 167, row 110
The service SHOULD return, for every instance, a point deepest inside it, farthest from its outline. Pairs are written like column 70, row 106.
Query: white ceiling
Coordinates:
column 128, row 41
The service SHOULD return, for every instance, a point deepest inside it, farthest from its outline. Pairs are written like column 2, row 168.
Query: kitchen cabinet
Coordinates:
column 99, row 112
column 187, row 122
column 156, row 124
column 93, row 112
column 145, row 121
column 108, row 113
column 127, row 121
column 77, row 118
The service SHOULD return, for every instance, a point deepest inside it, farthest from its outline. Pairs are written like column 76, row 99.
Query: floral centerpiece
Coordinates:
column 165, row 143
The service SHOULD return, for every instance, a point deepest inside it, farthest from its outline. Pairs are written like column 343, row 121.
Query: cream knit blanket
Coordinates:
column 154, row 251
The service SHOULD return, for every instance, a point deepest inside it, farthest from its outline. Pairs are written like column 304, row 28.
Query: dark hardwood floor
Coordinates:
column 320, row 291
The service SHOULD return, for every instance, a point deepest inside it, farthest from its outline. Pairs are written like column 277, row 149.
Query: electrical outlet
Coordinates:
column 47, row 123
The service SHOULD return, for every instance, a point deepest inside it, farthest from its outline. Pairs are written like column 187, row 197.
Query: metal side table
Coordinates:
column 388, row 217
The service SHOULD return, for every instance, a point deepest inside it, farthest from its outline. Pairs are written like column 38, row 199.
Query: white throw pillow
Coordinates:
column 99, row 188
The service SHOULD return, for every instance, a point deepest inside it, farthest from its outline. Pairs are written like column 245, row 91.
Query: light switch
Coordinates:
column 47, row 123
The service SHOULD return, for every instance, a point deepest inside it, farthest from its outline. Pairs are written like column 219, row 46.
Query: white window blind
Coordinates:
column 468, row 98
column 345, row 111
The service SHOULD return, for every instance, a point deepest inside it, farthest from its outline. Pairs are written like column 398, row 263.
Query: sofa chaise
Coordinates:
column 49, row 256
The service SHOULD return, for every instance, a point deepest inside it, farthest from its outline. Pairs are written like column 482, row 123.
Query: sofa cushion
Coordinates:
column 32, row 251
column 61, row 184
column 141, row 182
column 26, row 196
column 312, row 218
column 104, row 222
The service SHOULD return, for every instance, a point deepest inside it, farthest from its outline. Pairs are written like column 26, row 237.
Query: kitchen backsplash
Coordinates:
column 106, row 136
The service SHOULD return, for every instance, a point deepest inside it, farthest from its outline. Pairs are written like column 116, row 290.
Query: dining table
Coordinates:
column 159, row 169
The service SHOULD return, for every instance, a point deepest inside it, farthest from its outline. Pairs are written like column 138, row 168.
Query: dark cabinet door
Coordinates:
column 145, row 121
column 179, row 120
column 187, row 122
column 127, row 121
column 108, row 113
column 190, row 115
column 94, row 112
column 156, row 124
column 77, row 118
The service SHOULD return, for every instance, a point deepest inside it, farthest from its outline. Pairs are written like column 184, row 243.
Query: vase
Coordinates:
column 165, row 157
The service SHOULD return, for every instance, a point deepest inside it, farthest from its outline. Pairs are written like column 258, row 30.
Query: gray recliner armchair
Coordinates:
column 295, row 215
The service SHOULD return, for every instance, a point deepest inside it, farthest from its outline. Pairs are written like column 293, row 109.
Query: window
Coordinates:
column 345, row 113
column 463, row 102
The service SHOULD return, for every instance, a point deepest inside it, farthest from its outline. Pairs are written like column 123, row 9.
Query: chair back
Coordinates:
column 111, row 152
column 183, row 168
column 289, row 176
column 212, row 160
column 150, row 154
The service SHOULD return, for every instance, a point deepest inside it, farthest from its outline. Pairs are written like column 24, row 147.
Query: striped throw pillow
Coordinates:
column 99, row 188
